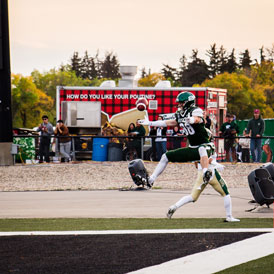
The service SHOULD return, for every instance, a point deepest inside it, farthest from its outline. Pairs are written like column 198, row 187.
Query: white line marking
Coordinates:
column 144, row 231
column 215, row 260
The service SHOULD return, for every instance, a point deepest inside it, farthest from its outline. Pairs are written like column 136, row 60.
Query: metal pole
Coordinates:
column 5, row 88
column 142, row 148
column 73, row 149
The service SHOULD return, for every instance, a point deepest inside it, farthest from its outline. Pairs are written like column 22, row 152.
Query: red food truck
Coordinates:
column 86, row 109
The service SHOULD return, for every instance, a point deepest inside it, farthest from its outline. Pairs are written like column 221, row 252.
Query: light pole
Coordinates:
column 5, row 88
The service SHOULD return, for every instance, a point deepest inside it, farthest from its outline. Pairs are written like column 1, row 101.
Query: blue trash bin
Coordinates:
column 100, row 149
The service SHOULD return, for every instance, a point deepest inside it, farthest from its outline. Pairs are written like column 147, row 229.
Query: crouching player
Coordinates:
column 216, row 181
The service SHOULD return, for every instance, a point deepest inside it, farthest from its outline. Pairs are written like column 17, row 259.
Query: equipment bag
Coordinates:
column 262, row 185
column 136, row 167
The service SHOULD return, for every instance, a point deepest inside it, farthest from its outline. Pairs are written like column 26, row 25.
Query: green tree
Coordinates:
column 90, row 67
column 110, row 67
column 231, row 62
column 75, row 63
column 28, row 102
column 263, row 73
column 242, row 97
column 151, row 80
column 181, row 76
column 223, row 60
column 48, row 81
column 169, row 72
column 195, row 73
column 245, row 60
column 214, row 61
column 262, row 55
column 270, row 53
column 269, row 93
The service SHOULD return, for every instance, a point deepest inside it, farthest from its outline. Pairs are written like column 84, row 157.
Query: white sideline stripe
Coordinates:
column 144, row 231
column 218, row 259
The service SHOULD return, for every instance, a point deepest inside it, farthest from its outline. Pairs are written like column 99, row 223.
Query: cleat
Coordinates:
column 170, row 212
column 231, row 219
column 139, row 179
column 143, row 181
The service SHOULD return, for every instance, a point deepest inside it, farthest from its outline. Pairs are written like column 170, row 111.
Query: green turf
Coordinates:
column 260, row 266
column 65, row 224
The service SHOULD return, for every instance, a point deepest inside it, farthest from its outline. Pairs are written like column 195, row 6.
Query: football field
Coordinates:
column 116, row 231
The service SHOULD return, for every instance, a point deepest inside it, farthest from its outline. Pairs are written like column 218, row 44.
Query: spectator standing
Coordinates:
column 245, row 145
column 130, row 131
column 64, row 141
column 176, row 141
column 46, row 130
column 256, row 127
column 208, row 122
column 138, row 132
column 229, row 131
column 160, row 141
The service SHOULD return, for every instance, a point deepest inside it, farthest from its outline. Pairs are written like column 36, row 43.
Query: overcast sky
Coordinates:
column 146, row 33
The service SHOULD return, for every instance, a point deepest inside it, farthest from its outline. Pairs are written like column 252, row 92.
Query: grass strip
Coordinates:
column 67, row 224
column 259, row 266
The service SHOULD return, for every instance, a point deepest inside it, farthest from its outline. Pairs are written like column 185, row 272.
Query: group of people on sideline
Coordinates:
column 250, row 143
column 62, row 142
column 247, row 147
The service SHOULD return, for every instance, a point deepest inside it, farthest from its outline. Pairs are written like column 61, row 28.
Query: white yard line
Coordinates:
column 144, row 231
column 218, row 259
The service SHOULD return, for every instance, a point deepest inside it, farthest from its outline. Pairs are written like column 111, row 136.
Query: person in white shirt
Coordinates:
column 160, row 142
column 245, row 147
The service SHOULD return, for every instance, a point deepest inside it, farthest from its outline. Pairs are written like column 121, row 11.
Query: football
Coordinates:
column 141, row 104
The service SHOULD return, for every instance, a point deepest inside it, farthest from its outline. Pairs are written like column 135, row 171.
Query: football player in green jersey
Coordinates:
column 190, row 119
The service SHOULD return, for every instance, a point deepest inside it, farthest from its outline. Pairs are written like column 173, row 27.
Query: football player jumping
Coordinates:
column 217, row 182
column 190, row 119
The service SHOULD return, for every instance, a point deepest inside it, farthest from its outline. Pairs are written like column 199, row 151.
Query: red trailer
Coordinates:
column 118, row 104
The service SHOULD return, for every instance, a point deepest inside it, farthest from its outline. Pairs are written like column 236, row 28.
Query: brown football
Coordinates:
column 141, row 104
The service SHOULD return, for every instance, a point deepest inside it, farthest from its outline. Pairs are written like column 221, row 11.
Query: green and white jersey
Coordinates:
column 196, row 133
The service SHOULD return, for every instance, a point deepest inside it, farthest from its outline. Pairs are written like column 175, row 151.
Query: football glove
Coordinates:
column 144, row 122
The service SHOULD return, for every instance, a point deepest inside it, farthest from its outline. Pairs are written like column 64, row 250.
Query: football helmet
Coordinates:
column 187, row 98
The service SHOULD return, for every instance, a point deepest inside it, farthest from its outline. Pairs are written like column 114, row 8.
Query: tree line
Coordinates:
column 190, row 71
column 250, row 83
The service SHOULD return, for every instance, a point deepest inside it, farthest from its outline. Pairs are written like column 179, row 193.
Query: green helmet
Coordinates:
column 186, row 97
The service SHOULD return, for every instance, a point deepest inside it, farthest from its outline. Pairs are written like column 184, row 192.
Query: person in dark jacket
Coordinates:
column 256, row 126
column 46, row 130
column 139, row 131
column 229, row 131
column 64, row 141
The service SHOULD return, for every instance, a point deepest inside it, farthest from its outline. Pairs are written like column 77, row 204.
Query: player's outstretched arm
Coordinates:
column 158, row 123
